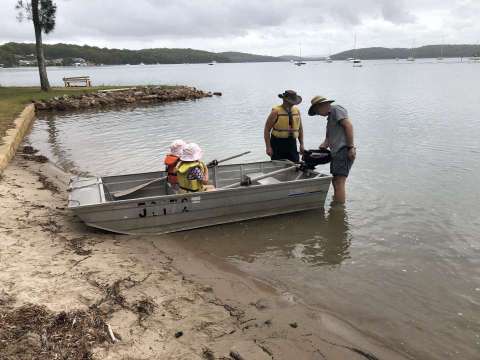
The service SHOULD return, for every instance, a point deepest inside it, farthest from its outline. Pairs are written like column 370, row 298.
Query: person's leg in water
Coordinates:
column 339, row 194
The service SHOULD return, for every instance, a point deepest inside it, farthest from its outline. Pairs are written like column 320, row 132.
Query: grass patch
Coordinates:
column 14, row 99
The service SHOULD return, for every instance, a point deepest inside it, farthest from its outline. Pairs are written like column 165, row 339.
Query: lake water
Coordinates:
column 402, row 262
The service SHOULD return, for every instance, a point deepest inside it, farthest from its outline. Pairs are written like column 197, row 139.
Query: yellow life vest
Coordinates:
column 282, row 128
column 184, row 183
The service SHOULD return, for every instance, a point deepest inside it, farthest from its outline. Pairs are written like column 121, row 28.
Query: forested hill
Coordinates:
column 429, row 51
column 244, row 57
column 11, row 53
column 14, row 54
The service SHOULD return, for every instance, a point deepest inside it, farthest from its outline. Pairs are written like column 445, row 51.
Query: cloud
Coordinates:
column 395, row 12
column 268, row 26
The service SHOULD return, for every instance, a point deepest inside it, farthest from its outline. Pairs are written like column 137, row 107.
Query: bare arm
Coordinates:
column 324, row 144
column 272, row 118
column 205, row 176
column 300, row 137
column 348, row 127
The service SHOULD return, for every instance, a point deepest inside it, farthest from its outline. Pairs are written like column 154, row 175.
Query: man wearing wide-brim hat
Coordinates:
column 283, row 128
column 339, row 138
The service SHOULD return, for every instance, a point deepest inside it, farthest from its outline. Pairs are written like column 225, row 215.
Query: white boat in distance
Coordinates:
column 355, row 60
column 243, row 191
column 357, row 63
column 300, row 62
column 212, row 62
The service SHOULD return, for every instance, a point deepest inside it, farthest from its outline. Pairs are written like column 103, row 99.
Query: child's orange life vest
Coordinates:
column 171, row 162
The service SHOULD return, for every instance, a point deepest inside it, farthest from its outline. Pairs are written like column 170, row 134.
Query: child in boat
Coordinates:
column 192, row 173
column 171, row 161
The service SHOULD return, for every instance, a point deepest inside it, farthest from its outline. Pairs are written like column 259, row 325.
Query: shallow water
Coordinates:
column 402, row 262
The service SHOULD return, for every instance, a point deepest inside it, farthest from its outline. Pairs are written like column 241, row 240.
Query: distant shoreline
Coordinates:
column 14, row 54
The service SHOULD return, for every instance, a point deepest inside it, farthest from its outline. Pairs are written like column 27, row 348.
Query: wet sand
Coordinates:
column 63, row 287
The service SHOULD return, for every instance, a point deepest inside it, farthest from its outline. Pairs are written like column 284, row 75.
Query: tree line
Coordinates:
column 428, row 51
column 11, row 52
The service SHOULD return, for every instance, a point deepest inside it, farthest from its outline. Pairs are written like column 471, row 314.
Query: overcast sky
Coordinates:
column 273, row 27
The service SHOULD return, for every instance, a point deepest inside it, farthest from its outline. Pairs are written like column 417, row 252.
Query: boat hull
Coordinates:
column 171, row 213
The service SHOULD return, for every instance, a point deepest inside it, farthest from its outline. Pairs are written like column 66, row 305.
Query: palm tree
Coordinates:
column 42, row 14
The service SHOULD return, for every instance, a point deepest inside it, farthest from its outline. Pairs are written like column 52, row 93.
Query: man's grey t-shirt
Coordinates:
column 335, row 131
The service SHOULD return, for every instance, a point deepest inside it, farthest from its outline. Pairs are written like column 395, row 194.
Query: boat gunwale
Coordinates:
column 194, row 194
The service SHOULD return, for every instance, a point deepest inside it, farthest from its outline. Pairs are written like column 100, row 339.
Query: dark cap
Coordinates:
column 291, row 96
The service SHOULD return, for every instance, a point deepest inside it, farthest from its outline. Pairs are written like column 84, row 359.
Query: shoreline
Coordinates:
column 159, row 298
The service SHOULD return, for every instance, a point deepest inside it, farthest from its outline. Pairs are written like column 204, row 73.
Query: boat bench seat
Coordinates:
column 267, row 181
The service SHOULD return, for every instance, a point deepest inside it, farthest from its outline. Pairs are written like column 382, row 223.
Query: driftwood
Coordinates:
column 110, row 332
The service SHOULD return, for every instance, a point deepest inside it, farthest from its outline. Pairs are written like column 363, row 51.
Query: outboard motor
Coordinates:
column 312, row 158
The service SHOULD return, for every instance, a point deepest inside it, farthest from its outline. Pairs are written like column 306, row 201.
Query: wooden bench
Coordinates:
column 77, row 81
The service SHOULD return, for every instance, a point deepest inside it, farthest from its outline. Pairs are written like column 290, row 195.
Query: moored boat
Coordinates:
column 273, row 187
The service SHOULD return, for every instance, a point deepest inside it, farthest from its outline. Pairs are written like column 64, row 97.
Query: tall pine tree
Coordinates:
column 42, row 14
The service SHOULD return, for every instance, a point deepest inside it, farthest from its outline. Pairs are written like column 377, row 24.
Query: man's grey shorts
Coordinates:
column 340, row 164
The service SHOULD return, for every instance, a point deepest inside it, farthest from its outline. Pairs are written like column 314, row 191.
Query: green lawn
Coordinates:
column 14, row 99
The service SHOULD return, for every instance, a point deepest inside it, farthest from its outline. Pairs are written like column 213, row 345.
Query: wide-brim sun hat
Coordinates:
column 291, row 97
column 176, row 148
column 317, row 100
column 191, row 152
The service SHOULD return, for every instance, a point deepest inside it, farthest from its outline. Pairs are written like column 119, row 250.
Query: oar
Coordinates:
column 260, row 177
column 122, row 193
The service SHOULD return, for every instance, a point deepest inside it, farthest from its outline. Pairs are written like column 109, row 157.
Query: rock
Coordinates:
column 178, row 334
column 103, row 102
column 39, row 105
column 60, row 106
column 75, row 104
column 150, row 97
column 217, row 93
column 144, row 95
column 29, row 150
column 236, row 355
column 84, row 103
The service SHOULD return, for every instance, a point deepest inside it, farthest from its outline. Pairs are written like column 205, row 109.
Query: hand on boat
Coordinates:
column 212, row 163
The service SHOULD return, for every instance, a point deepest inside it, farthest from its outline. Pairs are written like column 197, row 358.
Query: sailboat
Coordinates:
column 440, row 58
column 300, row 62
column 356, row 62
column 328, row 59
column 411, row 58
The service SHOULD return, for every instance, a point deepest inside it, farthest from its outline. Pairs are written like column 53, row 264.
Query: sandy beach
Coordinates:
column 67, row 291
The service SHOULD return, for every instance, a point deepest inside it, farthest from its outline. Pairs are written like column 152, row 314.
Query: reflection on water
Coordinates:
column 314, row 237
column 402, row 263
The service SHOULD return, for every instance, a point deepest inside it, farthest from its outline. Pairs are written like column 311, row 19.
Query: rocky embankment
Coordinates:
column 124, row 96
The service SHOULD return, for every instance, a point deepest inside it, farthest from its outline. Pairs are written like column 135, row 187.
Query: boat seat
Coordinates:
column 268, row 181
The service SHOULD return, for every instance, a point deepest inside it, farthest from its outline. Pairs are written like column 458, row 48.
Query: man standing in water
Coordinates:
column 283, row 127
column 339, row 138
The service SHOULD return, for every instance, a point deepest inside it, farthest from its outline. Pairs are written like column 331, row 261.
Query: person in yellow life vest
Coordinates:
column 192, row 173
column 171, row 161
column 283, row 128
